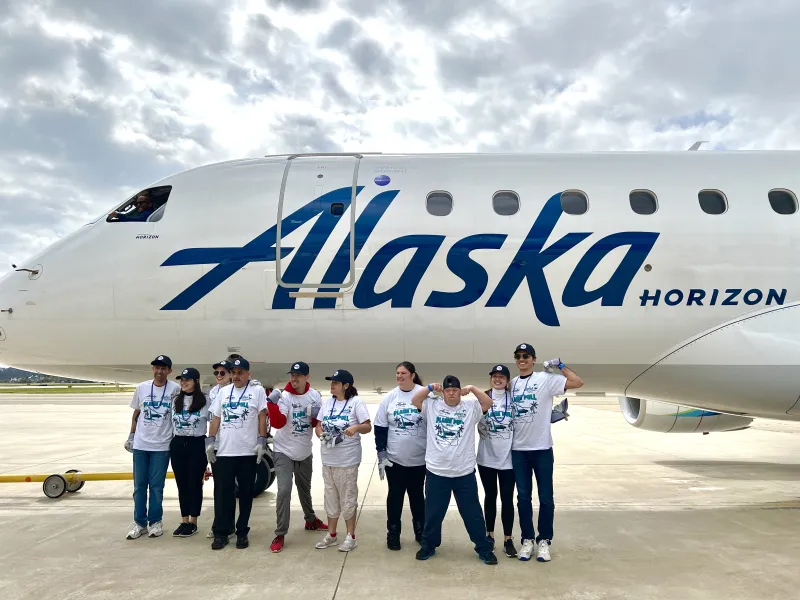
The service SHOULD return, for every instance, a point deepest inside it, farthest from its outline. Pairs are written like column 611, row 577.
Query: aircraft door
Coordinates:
column 315, row 236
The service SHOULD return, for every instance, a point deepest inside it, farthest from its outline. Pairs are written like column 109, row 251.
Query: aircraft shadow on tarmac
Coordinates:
column 736, row 470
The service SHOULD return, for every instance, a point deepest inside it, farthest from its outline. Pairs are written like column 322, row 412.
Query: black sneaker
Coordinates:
column 179, row 532
column 393, row 541
column 489, row 558
column 508, row 548
column 191, row 529
column 242, row 541
column 424, row 554
column 220, row 541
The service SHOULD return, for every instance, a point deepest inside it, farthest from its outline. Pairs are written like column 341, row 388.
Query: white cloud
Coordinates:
column 101, row 98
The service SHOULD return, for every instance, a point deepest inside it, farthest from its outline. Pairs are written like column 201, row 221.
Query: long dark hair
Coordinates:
column 411, row 369
column 350, row 392
column 198, row 399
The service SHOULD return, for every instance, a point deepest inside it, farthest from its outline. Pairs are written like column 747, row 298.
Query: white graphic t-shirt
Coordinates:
column 406, row 442
column 294, row 438
column 213, row 400
column 450, row 448
column 533, row 404
column 238, row 410
column 496, row 430
column 154, row 425
column 186, row 424
column 336, row 416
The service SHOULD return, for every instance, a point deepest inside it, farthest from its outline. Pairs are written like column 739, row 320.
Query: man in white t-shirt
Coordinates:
column 149, row 440
column 222, row 376
column 240, row 421
column 450, row 459
column 532, row 444
column 293, row 414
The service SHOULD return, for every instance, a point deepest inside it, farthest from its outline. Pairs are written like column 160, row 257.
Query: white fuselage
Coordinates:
column 454, row 293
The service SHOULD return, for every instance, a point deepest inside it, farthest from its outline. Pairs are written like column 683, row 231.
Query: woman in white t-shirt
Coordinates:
column 494, row 457
column 400, row 442
column 188, row 450
column 341, row 420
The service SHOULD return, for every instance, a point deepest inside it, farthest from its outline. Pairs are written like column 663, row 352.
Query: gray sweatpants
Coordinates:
column 285, row 467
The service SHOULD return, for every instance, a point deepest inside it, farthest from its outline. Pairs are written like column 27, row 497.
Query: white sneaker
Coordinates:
column 526, row 550
column 348, row 544
column 327, row 541
column 210, row 534
column 156, row 529
column 543, row 554
column 135, row 531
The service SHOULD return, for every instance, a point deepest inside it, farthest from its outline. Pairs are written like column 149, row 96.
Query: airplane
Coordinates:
column 667, row 279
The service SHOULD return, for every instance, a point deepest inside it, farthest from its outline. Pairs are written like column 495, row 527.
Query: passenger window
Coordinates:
column 713, row 202
column 783, row 202
column 337, row 209
column 505, row 203
column 439, row 204
column 643, row 202
column 145, row 206
column 574, row 202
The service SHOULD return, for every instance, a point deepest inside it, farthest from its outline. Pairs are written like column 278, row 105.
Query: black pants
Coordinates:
column 437, row 498
column 188, row 456
column 528, row 463
column 405, row 480
column 230, row 471
column 489, row 478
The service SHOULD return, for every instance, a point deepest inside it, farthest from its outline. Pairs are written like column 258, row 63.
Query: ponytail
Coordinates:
column 411, row 369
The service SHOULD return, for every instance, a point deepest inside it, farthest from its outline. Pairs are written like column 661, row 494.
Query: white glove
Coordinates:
column 383, row 462
column 129, row 443
column 274, row 396
column 212, row 456
column 553, row 365
column 260, row 449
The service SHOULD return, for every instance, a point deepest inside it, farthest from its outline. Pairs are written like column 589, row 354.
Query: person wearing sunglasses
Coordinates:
column 342, row 419
column 532, row 444
column 187, row 450
column 494, row 458
column 222, row 375
column 400, row 442
column 452, row 420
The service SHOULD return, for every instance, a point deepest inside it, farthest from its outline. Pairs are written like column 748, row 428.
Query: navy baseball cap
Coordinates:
column 341, row 376
column 298, row 367
column 502, row 370
column 451, row 381
column 225, row 364
column 526, row 348
column 190, row 373
column 162, row 360
column 240, row 363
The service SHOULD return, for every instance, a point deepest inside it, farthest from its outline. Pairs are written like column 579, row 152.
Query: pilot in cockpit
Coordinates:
column 144, row 208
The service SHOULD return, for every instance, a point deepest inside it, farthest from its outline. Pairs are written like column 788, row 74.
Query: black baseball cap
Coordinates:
column 225, row 364
column 241, row 363
column 502, row 370
column 190, row 373
column 298, row 367
column 451, row 381
column 341, row 376
column 526, row 348
column 162, row 360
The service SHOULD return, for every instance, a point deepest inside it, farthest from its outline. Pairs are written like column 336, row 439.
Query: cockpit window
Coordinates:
column 145, row 206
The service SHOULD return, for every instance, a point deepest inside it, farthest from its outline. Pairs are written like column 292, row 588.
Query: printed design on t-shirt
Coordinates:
column 497, row 423
column 337, row 422
column 300, row 421
column 235, row 413
column 449, row 427
column 407, row 419
column 185, row 420
column 156, row 410
column 525, row 405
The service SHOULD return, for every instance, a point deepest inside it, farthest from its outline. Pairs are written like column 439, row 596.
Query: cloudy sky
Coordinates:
column 102, row 97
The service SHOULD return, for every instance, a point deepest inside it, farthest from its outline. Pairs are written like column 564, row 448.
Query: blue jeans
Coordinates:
column 149, row 471
column 526, row 464
column 437, row 497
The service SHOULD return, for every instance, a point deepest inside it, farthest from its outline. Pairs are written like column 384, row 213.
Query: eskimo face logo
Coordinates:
column 238, row 362
column 185, row 371
column 296, row 367
column 160, row 358
column 336, row 373
column 499, row 369
column 523, row 347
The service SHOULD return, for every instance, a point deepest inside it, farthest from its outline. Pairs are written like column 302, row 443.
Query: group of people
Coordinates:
column 424, row 436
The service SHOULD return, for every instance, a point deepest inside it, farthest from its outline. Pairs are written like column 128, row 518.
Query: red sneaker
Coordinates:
column 315, row 525
column 277, row 544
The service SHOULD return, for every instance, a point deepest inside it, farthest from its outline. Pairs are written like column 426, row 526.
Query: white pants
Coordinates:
column 341, row 491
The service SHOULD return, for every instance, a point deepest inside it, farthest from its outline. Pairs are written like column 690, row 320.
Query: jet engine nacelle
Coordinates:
column 671, row 418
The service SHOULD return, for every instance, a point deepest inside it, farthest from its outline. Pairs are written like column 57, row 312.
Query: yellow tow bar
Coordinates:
column 57, row 484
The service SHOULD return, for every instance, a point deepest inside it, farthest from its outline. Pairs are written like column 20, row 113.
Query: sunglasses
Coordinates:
column 220, row 373
column 522, row 356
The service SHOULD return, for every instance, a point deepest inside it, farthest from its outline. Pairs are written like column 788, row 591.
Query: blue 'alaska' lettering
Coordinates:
column 530, row 261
